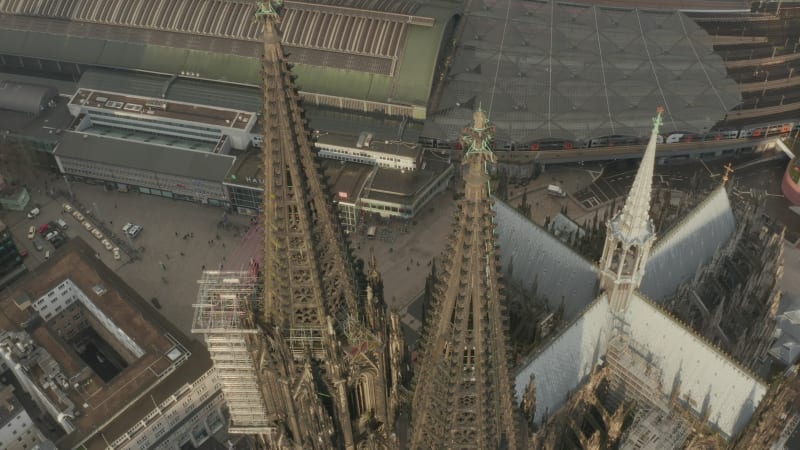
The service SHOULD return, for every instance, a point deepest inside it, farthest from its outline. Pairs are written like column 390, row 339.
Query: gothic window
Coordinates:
column 468, row 363
column 629, row 264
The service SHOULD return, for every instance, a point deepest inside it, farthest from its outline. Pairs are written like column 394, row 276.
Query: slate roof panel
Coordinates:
column 531, row 254
column 676, row 257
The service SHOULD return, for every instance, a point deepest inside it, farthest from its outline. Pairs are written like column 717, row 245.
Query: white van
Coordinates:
column 34, row 212
column 555, row 191
column 61, row 224
column 371, row 232
column 47, row 255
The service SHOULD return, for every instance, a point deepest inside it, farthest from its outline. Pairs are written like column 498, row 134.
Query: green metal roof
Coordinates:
column 411, row 84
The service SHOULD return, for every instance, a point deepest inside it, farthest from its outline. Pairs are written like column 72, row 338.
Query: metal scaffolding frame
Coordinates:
column 223, row 315
column 635, row 377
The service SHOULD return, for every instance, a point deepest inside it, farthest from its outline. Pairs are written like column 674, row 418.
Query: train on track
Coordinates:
column 751, row 131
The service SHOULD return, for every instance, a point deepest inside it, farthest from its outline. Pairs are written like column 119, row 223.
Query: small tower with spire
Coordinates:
column 463, row 395
column 630, row 233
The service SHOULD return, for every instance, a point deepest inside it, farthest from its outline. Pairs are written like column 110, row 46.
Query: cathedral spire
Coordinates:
column 634, row 222
column 630, row 233
column 463, row 396
column 327, row 376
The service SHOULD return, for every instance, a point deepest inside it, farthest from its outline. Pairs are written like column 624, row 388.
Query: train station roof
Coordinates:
column 379, row 51
column 547, row 69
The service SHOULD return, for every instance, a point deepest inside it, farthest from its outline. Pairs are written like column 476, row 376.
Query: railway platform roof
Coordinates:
column 580, row 71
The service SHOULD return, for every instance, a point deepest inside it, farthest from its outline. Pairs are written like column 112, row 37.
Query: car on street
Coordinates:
column 31, row 232
column 33, row 213
column 116, row 253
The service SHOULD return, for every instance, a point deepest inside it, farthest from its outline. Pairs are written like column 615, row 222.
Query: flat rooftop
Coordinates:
column 43, row 126
column 248, row 170
column 346, row 180
column 144, row 156
column 109, row 408
column 392, row 184
column 131, row 105
column 390, row 147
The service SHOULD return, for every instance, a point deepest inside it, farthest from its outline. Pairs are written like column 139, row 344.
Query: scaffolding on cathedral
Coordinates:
column 634, row 377
column 223, row 315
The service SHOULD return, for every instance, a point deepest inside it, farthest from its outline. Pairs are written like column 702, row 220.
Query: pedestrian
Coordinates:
column 191, row 235
column 111, row 222
column 182, row 254
column 203, row 268
column 115, row 206
column 176, row 234
column 223, row 245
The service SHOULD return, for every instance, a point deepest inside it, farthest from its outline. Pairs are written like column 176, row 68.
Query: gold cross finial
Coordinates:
column 728, row 172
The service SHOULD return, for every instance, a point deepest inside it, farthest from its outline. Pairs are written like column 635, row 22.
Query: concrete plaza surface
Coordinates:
column 174, row 284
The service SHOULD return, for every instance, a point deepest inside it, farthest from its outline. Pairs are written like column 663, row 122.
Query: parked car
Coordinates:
column 67, row 207
column 116, row 253
column 31, row 232
column 33, row 213
column 88, row 225
column 97, row 234
column 50, row 235
column 47, row 255
column 77, row 214
column 58, row 241
column 135, row 230
column 61, row 224
column 23, row 253
column 44, row 228
column 107, row 244
column 37, row 246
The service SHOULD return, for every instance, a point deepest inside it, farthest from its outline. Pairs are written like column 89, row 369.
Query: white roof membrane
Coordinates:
column 706, row 375
column 530, row 255
column 690, row 244
column 563, row 365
